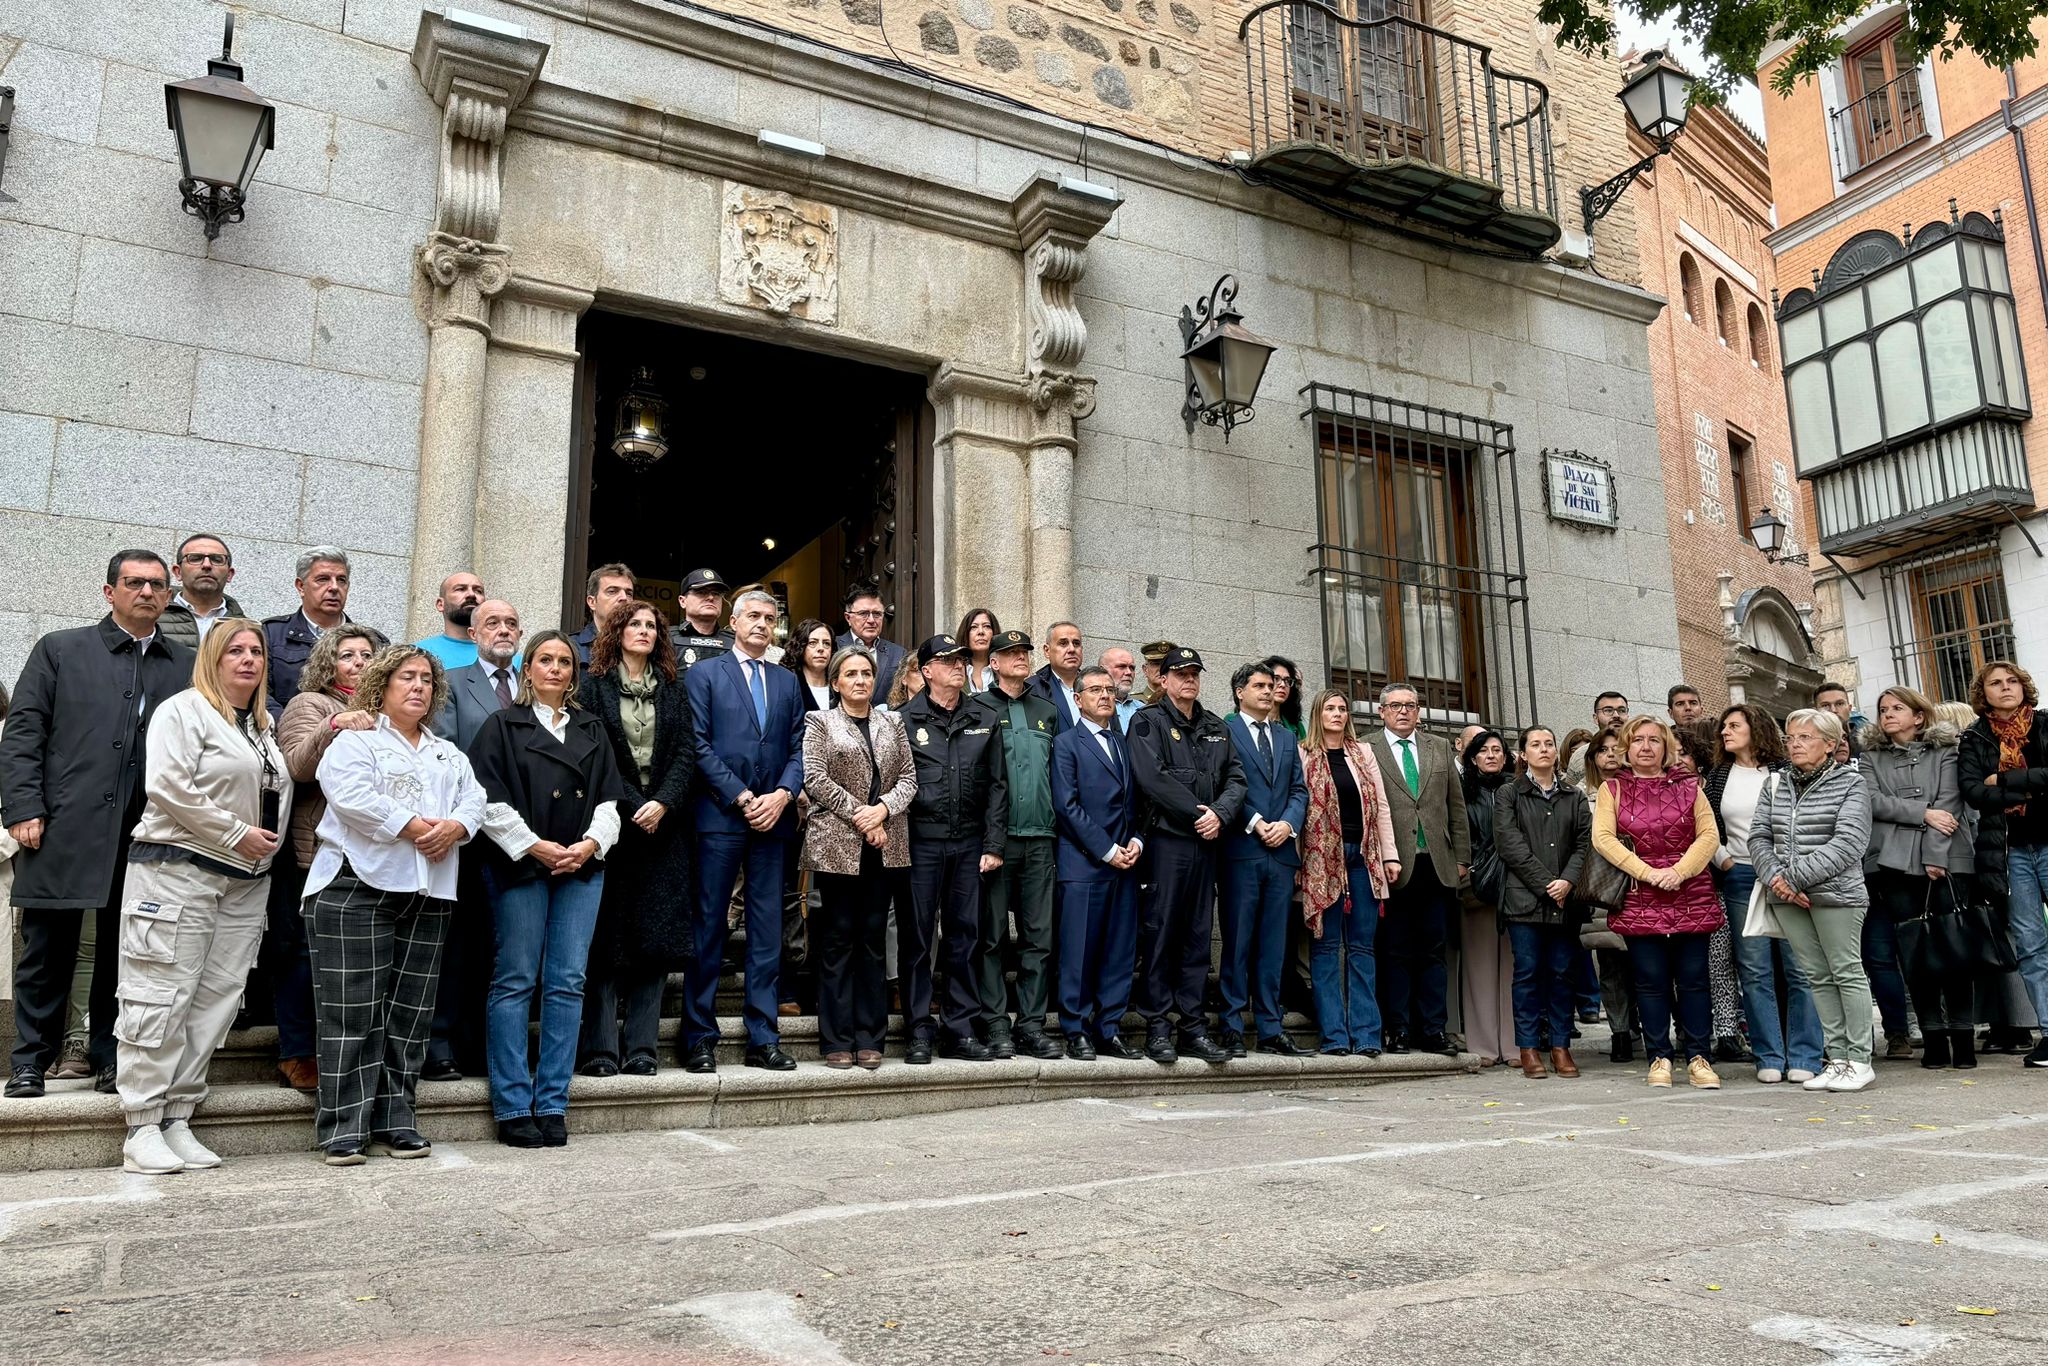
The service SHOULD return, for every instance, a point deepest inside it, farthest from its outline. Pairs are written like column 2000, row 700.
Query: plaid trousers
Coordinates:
column 376, row 959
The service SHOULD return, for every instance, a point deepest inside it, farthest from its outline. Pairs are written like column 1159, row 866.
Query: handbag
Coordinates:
column 1605, row 885
column 1965, row 938
column 1761, row 921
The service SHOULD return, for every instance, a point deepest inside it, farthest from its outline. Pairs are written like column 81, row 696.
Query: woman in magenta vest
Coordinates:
column 1653, row 821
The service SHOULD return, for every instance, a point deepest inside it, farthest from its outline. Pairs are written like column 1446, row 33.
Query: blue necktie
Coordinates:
column 1116, row 762
column 759, row 683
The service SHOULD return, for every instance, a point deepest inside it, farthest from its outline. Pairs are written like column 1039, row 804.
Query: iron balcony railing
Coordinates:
column 1880, row 123
column 1442, row 136
column 1925, row 490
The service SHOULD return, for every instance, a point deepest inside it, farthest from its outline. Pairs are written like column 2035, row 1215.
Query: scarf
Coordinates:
column 636, row 718
column 1325, row 882
column 2012, row 732
column 1802, row 781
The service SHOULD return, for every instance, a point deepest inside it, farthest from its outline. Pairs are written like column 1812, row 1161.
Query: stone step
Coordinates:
column 76, row 1127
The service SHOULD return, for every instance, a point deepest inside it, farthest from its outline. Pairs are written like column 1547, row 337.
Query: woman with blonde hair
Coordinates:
column 1349, row 861
column 192, row 907
column 1652, row 821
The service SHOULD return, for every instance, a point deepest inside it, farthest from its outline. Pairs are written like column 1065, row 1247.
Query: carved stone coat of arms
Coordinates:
column 779, row 253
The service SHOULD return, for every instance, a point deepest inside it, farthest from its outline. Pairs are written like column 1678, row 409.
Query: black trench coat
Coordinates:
column 647, row 915
column 554, row 785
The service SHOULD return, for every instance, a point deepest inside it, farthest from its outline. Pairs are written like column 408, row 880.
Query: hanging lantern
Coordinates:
column 641, row 440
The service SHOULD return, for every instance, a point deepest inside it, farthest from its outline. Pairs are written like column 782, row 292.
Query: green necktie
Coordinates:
column 1414, row 785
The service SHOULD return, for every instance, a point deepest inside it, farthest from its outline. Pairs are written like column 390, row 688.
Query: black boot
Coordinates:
column 1962, row 1048
column 1934, row 1052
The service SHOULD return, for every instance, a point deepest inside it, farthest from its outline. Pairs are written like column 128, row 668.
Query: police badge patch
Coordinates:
column 1174, row 732
column 690, row 656
column 923, row 736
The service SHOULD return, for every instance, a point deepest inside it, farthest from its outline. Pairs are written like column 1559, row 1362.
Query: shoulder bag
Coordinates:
column 1964, row 937
column 1760, row 920
column 1605, row 886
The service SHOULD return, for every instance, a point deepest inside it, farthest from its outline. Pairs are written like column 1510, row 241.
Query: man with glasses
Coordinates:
column 202, row 572
column 1427, row 805
column 1609, row 709
column 70, row 792
column 865, row 618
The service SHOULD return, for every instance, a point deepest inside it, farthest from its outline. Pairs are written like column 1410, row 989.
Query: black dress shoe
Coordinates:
column 1038, row 1044
column 554, row 1130
column 1159, row 1047
column 1000, row 1045
column 918, row 1052
column 519, row 1133
column 639, row 1067
column 1434, row 1043
column 1366, row 1052
column 1231, row 1041
column 772, row 1058
column 1623, row 1048
column 1078, row 1048
column 702, row 1057
column 966, row 1050
column 1397, row 1043
column 105, row 1084
column 25, row 1084
column 1113, row 1046
column 440, row 1069
column 344, row 1155
column 1589, row 1015
column 599, row 1067
column 1199, row 1045
column 1284, row 1046
column 400, row 1143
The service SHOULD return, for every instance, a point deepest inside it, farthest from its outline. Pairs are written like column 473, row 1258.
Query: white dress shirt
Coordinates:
column 1117, row 761
column 375, row 784
column 1251, row 826
column 509, row 830
column 205, row 621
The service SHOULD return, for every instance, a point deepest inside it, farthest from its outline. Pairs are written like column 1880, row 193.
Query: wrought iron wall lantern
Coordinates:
column 641, row 438
column 1658, row 98
column 223, row 129
column 1769, row 534
column 6, row 127
column 1225, row 360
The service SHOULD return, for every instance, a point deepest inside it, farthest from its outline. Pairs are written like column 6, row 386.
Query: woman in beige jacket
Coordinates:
column 858, row 775
column 192, row 907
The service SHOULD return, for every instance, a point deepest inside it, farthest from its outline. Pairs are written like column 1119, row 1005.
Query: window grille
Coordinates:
column 1948, row 614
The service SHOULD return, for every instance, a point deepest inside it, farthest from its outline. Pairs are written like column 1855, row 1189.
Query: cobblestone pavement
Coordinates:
column 1467, row 1219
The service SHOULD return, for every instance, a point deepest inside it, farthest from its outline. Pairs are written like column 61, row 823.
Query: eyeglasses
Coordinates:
column 134, row 585
column 1400, row 706
column 202, row 557
column 871, row 612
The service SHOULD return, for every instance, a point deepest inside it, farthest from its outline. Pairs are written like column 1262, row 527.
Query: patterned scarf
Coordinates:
column 1325, row 882
column 2012, row 732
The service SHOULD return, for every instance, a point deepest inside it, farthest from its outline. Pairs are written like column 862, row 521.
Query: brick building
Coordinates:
column 1703, row 212
column 908, row 278
column 1913, row 319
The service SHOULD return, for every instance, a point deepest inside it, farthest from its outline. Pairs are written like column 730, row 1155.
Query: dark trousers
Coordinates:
column 945, row 899
column 1943, row 1000
column 1544, row 964
column 1881, row 960
column 639, row 989
column 1618, row 990
column 850, row 942
column 1586, row 991
column 719, row 860
column 469, row 955
column 1659, row 961
column 286, row 964
column 1256, row 893
column 42, row 982
column 1098, row 953
column 1022, row 887
column 1173, row 933
column 1412, row 981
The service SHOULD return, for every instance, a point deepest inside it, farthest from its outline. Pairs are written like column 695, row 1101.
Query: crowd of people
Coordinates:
column 486, row 852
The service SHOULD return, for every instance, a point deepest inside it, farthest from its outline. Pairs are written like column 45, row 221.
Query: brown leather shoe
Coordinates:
column 1562, row 1064
column 1532, row 1065
column 839, row 1062
column 299, row 1074
column 869, row 1058
column 789, row 1010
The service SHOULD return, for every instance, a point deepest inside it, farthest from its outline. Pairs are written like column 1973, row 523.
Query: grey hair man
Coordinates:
column 321, row 575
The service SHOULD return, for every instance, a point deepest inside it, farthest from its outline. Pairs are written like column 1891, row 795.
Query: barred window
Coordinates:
column 1948, row 614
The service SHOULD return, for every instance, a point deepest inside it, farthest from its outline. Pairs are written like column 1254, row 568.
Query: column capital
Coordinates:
column 462, row 276
column 1054, row 226
column 478, row 71
column 538, row 317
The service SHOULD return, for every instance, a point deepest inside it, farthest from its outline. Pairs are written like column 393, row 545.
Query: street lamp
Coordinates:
column 1769, row 533
column 1657, row 99
column 1225, row 360
column 223, row 130
column 640, row 440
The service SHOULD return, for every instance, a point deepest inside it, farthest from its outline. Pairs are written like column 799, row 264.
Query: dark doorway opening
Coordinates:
column 803, row 471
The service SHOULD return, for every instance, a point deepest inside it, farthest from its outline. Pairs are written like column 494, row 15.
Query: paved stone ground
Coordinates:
column 1469, row 1219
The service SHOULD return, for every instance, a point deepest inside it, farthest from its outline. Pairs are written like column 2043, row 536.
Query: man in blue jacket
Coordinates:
column 750, row 766
column 1095, row 800
column 1260, row 859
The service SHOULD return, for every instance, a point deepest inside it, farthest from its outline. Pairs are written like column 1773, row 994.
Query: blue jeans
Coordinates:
column 544, row 928
column 1254, row 904
column 2026, row 870
column 1544, row 992
column 1756, row 963
column 1660, row 960
column 1347, row 999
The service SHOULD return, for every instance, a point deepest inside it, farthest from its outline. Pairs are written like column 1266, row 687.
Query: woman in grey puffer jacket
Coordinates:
column 1807, row 842
column 1918, row 841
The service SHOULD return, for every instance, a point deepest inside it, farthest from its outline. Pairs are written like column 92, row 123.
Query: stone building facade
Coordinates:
column 467, row 207
column 1704, row 212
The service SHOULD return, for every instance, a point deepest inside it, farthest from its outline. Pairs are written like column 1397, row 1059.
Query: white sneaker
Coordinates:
column 1799, row 1076
column 1824, row 1080
column 1769, row 1076
column 180, row 1139
column 146, row 1153
column 1851, row 1076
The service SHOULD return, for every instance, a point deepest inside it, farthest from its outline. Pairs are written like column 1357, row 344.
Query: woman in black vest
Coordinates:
column 553, row 787
column 643, row 923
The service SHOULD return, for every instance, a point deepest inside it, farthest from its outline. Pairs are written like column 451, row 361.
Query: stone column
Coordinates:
column 980, row 455
column 478, row 75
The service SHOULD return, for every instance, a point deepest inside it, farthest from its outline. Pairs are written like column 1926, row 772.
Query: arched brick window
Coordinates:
column 1689, row 286
column 1759, row 339
column 1724, row 313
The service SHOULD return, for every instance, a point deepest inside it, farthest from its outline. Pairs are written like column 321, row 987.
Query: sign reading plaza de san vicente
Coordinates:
column 1580, row 489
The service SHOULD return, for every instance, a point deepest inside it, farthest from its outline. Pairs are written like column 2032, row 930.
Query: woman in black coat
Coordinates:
column 644, row 923
column 1486, row 970
column 1542, row 829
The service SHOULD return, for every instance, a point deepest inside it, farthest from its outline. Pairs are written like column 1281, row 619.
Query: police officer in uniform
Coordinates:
column 1188, row 771
column 1023, row 887
column 699, row 638
column 959, row 824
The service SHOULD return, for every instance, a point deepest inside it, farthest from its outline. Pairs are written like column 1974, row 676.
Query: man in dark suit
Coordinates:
column 475, row 693
column 1096, row 801
column 1259, row 864
column 750, row 765
column 866, row 618
column 1427, row 806
column 1056, row 681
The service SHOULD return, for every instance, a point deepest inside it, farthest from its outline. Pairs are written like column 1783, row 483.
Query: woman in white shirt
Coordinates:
column 810, row 650
column 1753, row 756
column 378, row 897
column 547, row 767
column 978, row 631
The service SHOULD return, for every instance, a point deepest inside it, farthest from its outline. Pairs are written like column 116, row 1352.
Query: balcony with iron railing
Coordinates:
column 1385, row 118
column 1886, row 120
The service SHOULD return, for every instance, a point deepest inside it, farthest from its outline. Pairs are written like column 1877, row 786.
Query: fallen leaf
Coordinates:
column 1713, row 1287
column 1816, row 1119
column 1975, row 1309
column 888, row 1323
column 1930, row 1128
column 1622, row 1120
column 1379, row 1228
column 1970, row 1083
column 1939, row 1240
column 1159, row 1105
column 1017, row 1233
column 65, row 1309
column 1907, row 1323
column 364, row 1299
column 1490, row 1105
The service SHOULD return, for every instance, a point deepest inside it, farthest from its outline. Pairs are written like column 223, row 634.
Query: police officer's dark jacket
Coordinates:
column 1181, row 763
column 963, row 786
column 693, row 648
